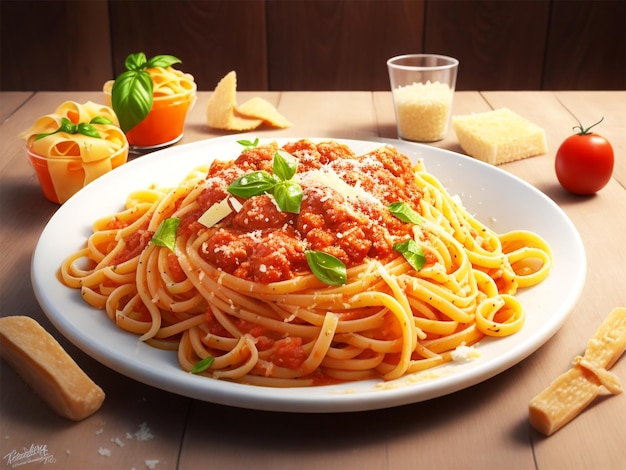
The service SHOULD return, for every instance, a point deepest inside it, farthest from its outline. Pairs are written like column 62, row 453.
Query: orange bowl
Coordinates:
column 164, row 124
column 62, row 177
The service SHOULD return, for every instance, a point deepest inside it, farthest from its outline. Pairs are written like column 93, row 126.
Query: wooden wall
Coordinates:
column 316, row 44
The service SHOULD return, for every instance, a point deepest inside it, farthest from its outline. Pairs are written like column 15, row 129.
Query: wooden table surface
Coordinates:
column 483, row 427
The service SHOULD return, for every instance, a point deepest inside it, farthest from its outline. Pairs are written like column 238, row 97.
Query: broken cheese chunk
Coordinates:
column 44, row 365
column 573, row 391
column 215, row 213
column 499, row 136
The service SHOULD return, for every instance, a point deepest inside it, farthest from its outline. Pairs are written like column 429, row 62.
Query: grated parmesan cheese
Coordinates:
column 118, row 441
column 143, row 434
column 464, row 353
column 423, row 110
column 328, row 177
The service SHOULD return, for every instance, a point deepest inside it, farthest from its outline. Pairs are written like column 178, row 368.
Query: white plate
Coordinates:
column 499, row 199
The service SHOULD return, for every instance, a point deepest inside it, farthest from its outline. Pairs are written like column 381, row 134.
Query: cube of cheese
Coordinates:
column 499, row 136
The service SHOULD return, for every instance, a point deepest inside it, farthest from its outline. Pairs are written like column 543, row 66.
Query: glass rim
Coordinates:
column 450, row 62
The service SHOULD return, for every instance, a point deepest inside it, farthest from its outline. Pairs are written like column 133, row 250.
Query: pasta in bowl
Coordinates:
column 244, row 287
column 174, row 94
column 73, row 146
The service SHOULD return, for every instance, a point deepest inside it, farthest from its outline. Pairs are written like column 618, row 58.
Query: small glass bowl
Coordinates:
column 61, row 177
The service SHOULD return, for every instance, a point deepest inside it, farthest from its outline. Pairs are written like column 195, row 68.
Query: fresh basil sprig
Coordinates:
column 131, row 96
column 249, row 144
column 80, row 128
column 404, row 212
column 288, row 196
column 412, row 252
column 166, row 233
column 253, row 184
column 327, row 268
column 286, row 191
column 202, row 365
column 284, row 165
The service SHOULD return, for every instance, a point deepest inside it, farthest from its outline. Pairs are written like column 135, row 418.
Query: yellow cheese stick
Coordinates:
column 574, row 390
column 41, row 361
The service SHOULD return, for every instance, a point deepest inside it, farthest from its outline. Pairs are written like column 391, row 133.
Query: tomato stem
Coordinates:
column 582, row 130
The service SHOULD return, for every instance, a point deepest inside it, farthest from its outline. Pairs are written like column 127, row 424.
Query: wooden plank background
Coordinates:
column 316, row 44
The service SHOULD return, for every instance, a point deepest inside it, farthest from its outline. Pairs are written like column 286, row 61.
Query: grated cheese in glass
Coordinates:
column 423, row 110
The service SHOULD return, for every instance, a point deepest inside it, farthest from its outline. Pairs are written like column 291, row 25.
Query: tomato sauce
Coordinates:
column 349, row 219
column 135, row 244
column 289, row 353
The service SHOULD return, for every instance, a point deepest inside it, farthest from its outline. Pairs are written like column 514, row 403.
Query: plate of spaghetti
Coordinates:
column 308, row 275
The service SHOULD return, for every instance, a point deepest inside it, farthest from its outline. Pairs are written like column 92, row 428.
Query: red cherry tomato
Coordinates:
column 584, row 162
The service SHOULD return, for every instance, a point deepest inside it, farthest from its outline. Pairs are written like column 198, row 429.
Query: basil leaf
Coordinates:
column 327, row 268
column 202, row 365
column 88, row 130
column 412, row 252
column 287, row 193
column 166, row 233
column 135, row 62
column 100, row 120
column 405, row 213
column 288, row 196
column 284, row 165
column 131, row 98
column 247, row 144
column 162, row 61
column 41, row 136
column 252, row 184
column 69, row 127
column 65, row 126
column 131, row 95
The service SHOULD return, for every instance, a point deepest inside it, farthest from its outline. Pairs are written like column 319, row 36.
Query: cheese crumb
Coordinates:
column 464, row 353
column 143, row 434
column 118, row 441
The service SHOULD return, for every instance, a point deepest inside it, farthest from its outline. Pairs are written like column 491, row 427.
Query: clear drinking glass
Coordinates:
column 422, row 86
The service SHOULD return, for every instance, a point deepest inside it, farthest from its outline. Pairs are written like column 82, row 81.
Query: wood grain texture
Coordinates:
column 587, row 46
column 500, row 45
column 54, row 45
column 11, row 101
column 306, row 45
column 210, row 37
column 339, row 45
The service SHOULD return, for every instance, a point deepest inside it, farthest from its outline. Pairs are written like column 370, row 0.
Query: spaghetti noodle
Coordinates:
column 238, row 296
